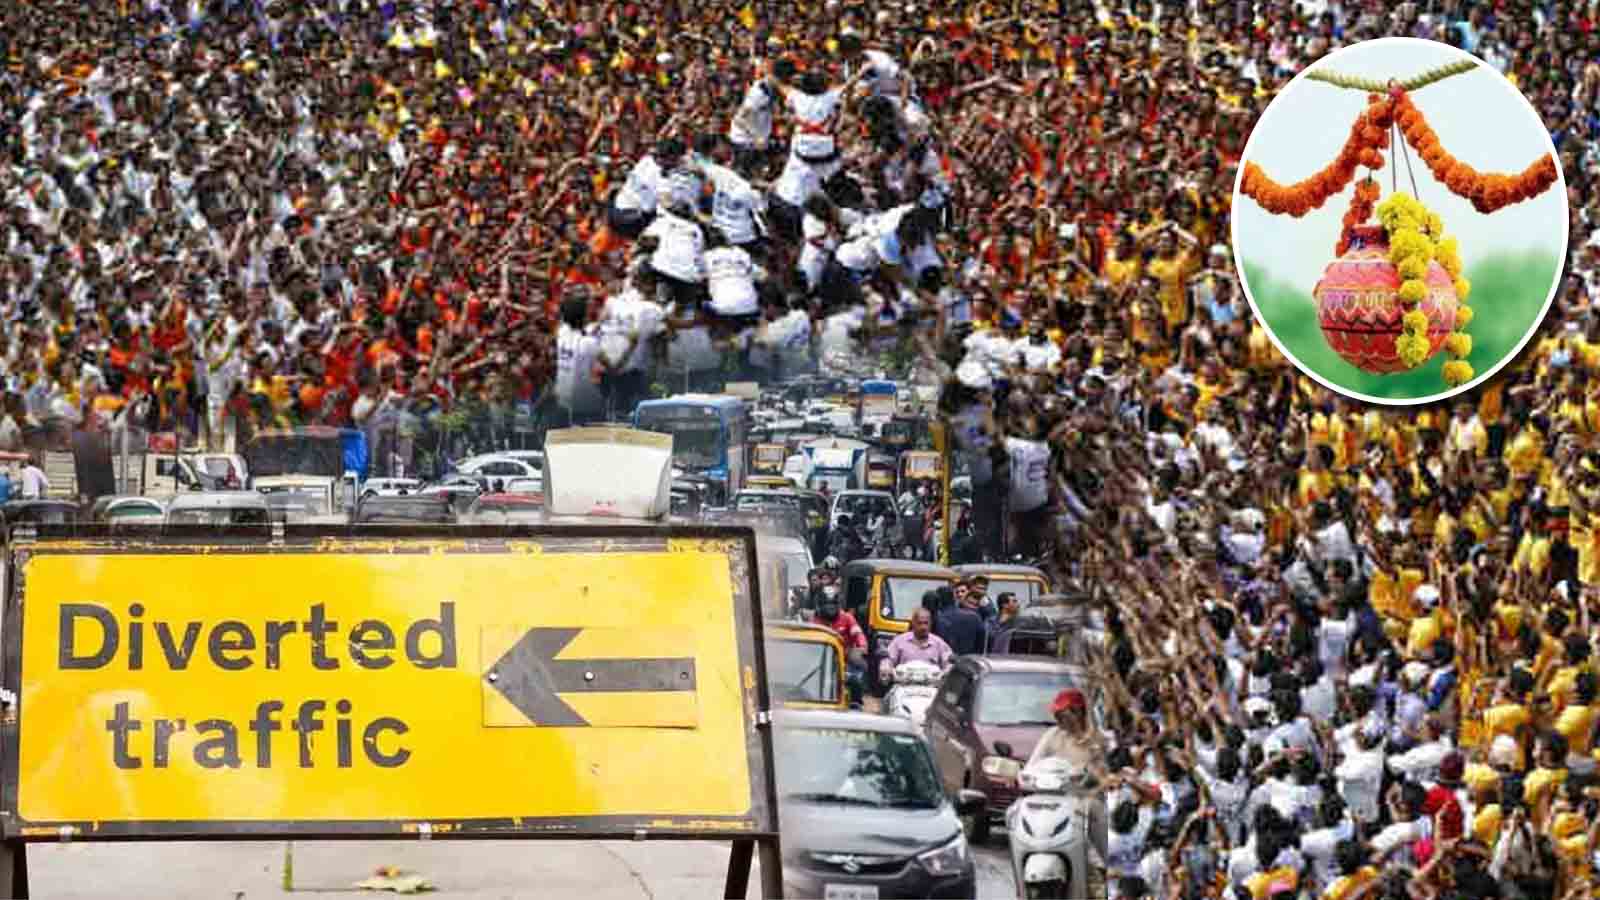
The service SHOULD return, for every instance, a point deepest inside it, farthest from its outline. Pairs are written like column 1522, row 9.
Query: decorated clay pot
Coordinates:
column 1359, row 312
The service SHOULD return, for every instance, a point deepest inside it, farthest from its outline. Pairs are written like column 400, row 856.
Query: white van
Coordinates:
column 218, row 508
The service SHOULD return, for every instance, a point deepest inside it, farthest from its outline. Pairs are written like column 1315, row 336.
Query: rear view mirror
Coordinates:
column 970, row 802
column 1001, row 748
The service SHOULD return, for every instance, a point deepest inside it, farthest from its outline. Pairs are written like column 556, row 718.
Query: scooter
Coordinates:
column 1048, row 829
column 916, row 684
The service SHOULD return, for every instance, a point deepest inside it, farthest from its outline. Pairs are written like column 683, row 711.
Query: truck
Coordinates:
column 838, row 463
column 312, row 473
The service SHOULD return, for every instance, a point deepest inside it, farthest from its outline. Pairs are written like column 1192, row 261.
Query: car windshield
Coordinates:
column 833, row 483
column 803, row 671
column 857, row 768
column 865, row 504
column 1020, row 698
column 1026, row 591
column 134, row 511
column 219, row 516
column 903, row 594
column 763, row 501
column 297, row 501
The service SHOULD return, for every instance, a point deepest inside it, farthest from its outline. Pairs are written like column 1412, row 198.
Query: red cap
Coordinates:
column 1071, row 698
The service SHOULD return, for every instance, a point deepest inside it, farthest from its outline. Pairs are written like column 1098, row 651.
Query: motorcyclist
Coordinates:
column 919, row 644
column 844, row 624
column 845, row 543
column 1074, row 740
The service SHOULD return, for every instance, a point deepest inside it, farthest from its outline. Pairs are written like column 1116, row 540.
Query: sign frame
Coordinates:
column 759, row 826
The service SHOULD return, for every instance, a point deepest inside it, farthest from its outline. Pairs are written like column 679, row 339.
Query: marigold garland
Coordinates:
column 1416, row 234
column 1416, row 239
column 1488, row 191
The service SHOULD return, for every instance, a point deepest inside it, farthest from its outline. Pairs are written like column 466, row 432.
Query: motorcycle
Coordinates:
column 1048, row 828
column 916, row 684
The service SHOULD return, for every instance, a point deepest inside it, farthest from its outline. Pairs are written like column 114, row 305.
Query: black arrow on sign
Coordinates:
column 530, row 676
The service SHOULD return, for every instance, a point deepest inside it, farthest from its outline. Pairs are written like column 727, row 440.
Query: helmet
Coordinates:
column 1071, row 698
column 831, row 564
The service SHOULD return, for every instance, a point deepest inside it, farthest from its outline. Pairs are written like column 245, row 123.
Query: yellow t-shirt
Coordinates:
column 1563, row 684
column 1524, row 453
column 1314, row 486
column 1506, row 719
column 1392, row 599
column 1260, row 884
column 1540, row 782
column 1174, row 299
column 1576, row 724
column 1346, row 885
column 1424, row 631
column 1486, row 824
column 1533, row 554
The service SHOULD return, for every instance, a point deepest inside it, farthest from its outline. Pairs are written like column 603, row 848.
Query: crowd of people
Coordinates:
column 1348, row 649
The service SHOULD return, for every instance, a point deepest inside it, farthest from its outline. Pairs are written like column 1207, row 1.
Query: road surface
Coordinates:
column 599, row 870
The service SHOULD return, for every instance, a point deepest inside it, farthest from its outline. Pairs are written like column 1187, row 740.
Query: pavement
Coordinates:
column 227, row 870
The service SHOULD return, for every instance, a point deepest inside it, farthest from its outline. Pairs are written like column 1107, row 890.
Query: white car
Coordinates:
column 390, row 487
column 498, row 468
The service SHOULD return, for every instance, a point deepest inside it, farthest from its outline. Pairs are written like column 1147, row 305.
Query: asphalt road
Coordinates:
column 489, row 869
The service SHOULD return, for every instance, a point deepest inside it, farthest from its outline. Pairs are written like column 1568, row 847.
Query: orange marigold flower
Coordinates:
column 1372, row 159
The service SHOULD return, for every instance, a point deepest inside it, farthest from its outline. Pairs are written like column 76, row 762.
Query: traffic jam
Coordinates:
column 919, row 680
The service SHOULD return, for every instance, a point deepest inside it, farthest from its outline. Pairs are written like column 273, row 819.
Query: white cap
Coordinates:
column 1427, row 596
column 1414, row 672
column 1503, row 752
column 1256, row 706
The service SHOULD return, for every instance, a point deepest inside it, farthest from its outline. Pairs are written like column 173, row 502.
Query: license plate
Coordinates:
column 849, row 892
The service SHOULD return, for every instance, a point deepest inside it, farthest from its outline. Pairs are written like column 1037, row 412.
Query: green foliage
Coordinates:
column 1508, row 291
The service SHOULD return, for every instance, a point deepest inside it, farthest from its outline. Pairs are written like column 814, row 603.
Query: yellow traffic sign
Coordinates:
column 543, row 681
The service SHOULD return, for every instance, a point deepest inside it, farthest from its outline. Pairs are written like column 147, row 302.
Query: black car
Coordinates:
column 863, row 810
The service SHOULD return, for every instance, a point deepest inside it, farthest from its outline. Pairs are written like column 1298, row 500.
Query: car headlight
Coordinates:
column 1001, row 767
column 951, row 859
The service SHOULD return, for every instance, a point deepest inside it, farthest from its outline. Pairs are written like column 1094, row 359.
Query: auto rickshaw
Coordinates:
column 882, row 593
column 1027, row 582
column 880, row 472
column 806, row 666
column 767, row 459
column 897, row 434
column 919, row 467
column 769, row 483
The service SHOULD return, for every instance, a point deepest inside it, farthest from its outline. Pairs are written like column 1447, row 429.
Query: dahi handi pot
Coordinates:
column 1358, row 309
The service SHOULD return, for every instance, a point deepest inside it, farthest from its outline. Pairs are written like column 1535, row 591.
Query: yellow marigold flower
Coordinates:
column 1458, row 345
column 1463, row 288
column 1412, row 267
column 1412, row 291
column 1412, row 350
column 1435, row 224
column 1457, row 372
column 1415, row 322
column 1463, row 316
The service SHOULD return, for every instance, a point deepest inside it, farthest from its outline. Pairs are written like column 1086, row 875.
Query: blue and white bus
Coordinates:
column 709, row 433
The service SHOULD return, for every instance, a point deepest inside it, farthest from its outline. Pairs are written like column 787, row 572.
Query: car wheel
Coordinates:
column 369, row 495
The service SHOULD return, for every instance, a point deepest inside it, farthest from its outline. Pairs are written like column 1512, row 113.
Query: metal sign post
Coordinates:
column 941, row 443
column 337, row 683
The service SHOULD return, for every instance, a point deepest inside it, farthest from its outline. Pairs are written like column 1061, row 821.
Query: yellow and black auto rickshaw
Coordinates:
column 767, row 459
column 882, row 593
column 805, row 666
column 920, row 467
column 1027, row 582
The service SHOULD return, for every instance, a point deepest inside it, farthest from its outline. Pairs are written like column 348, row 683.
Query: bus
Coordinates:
column 878, row 401
column 709, row 433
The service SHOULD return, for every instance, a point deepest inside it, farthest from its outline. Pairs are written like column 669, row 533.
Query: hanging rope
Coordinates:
column 1375, row 86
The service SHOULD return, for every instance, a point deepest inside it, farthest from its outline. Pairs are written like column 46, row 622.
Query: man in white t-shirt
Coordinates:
column 578, row 361
column 1037, row 352
column 736, row 207
column 35, row 486
column 628, row 330
column 750, row 129
column 636, row 201
column 730, row 279
column 679, row 255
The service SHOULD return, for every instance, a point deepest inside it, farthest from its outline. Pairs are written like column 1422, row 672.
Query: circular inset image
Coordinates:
column 1399, row 221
